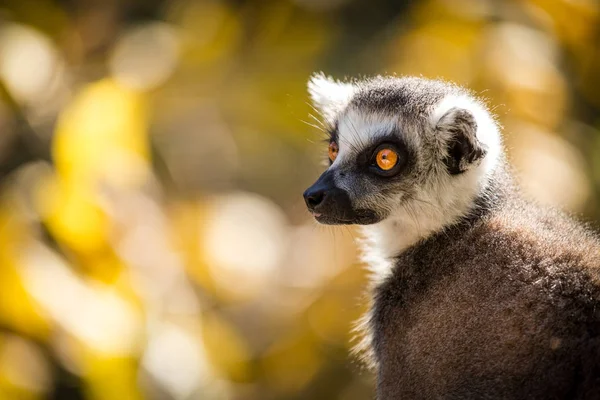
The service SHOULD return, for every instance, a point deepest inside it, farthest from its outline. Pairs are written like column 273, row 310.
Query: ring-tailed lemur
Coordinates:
column 477, row 293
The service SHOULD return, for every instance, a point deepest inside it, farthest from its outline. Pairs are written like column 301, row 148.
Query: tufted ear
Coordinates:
column 464, row 150
column 329, row 96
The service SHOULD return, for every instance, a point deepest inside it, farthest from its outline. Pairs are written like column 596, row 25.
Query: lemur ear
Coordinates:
column 329, row 96
column 464, row 150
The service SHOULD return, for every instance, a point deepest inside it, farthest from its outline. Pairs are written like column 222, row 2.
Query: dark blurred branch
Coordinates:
column 26, row 145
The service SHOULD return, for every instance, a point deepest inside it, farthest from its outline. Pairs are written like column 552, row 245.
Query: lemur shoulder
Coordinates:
column 477, row 292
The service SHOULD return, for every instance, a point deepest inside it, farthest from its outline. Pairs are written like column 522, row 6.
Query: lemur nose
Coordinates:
column 314, row 197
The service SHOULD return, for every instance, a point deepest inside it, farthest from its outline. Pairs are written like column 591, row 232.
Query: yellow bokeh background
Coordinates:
column 154, row 243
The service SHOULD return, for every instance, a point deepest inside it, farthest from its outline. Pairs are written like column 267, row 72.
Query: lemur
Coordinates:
column 477, row 292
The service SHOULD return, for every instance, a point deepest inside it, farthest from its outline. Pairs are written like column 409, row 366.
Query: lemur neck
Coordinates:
column 417, row 220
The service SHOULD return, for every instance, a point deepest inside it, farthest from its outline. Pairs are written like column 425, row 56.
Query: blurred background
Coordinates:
column 153, row 239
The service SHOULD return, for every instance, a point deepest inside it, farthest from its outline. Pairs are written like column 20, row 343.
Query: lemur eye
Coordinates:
column 386, row 159
column 333, row 151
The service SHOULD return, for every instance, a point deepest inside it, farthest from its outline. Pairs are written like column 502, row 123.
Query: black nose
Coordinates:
column 314, row 197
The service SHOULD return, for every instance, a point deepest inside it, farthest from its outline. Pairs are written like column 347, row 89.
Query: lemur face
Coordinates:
column 371, row 170
column 397, row 146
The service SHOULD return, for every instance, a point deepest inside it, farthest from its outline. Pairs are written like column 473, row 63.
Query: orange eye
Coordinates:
column 333, row 151
column 386, row 159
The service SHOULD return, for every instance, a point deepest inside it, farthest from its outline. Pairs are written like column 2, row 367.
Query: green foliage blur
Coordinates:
column 153, row 239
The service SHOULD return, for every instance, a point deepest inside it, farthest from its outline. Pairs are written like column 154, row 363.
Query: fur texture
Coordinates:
column 502, row 304
column 476, row 292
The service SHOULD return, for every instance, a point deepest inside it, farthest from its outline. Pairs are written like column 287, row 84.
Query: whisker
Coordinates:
column 354, row 134
column 350, row 144
column 313, row 125
column 314, row 108
column 358, row 138
column 318, row 121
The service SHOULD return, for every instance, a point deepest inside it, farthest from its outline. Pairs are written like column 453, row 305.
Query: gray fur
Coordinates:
column 501, row 305
column 477, row 292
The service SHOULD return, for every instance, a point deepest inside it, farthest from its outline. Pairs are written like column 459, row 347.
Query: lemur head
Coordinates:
column 407, row 150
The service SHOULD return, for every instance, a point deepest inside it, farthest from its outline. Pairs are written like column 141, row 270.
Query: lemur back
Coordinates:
column 477, row 293
column 502, row 305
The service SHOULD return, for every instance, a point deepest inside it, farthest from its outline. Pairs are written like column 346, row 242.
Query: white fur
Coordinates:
column 441, row 203
column 356, row 130
column 328, row 95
